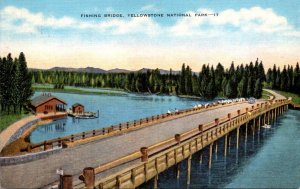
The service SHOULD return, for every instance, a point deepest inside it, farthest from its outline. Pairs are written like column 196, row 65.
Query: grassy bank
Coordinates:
column 266, row 95
column 295, row 97
column 77, row 91
column 7, row 120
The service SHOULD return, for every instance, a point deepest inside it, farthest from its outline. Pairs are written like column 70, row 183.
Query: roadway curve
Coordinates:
column 275, row 94
column 41, row 172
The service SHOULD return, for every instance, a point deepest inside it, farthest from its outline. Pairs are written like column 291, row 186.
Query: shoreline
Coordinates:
column 77, row 91
column 121, row 92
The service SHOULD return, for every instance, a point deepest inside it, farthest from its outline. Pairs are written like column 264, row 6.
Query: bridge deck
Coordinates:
column 73, row 160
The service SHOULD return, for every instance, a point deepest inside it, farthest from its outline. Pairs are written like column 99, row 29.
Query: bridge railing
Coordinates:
column 196, row 136
column 63, row 142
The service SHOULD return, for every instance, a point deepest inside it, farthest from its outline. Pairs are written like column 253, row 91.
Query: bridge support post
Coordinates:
column 201, row 157
column 89, row 177
column 155, row 182
column 246, row 131
column 237, row 136
column 189, row 169
column 178, row 170
column 225, row 145
column 253, row 128
column 210, row 154
column 66, row 182
column 259, row 119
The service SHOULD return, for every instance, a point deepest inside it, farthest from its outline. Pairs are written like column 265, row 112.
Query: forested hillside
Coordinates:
column 240, row 81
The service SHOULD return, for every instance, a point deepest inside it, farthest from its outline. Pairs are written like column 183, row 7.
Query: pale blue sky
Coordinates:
column 52, row 33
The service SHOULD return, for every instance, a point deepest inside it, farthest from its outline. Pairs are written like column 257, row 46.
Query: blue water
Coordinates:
column 114, row 109
column 269, row 159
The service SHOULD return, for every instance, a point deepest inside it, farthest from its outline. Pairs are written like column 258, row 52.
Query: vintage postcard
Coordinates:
column 149, row 94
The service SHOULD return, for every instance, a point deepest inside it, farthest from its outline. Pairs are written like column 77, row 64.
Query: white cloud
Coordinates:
column 246, row 20
column 109, row 9
column 143, row 25
column 21, row 20
column 149, row 7
column 255, row 19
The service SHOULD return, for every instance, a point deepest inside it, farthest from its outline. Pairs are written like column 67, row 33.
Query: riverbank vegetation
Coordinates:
column 287, row 79
column 15, row 89
column 240, row 81
column 6, row 120
column 295, row 97
column 266, row 95
column 15, row 84
column 75, row 90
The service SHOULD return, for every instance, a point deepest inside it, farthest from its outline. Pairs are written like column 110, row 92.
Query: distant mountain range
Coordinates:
column 99, row 70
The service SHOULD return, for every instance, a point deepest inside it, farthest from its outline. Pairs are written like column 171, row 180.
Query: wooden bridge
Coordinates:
column 127, row 155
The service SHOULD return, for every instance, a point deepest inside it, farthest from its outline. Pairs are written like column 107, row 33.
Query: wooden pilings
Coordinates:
column 237, row 137
column 246, row 131
column 210, row 154
column 189, row 162
column 259, row 124
column 178, row 170
column 201, row 157
column 155, row 185
column 225, row 144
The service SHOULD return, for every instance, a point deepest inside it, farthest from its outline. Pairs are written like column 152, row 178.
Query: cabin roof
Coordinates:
column 37, row 101
column 77, row 104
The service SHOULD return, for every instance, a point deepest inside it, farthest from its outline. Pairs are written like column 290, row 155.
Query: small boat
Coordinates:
column 266, row 126
column 84, row 115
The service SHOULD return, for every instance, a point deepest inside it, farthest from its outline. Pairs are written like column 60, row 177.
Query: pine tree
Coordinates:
column 211, row 89
column 188, row 81
column 219, row 74
column 24, row 80
column 274, row 77
column 297, row 79
column 258, row 88
column 283, row 79
column 242, row 87
column 231, row 91
column 2, row 83
column 182, row 80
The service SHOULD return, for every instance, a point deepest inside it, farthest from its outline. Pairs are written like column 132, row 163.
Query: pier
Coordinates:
column 130, row 154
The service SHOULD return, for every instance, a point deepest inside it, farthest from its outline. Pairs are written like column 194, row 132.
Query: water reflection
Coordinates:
column 57, row 126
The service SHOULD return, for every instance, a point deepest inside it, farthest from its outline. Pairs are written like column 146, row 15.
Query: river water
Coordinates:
column 114, row 109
